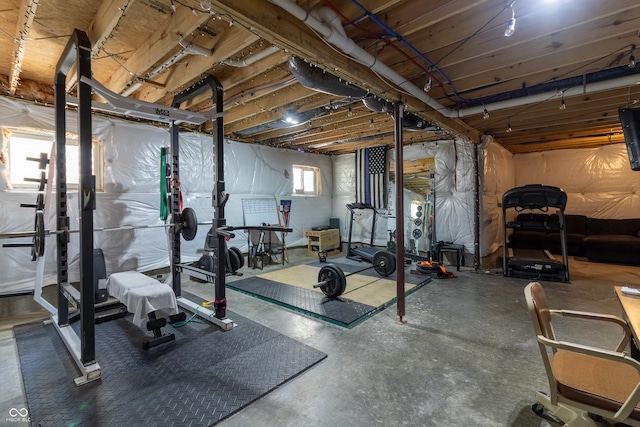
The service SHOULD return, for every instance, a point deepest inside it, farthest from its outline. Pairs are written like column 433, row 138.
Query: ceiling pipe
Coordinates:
column 252, row 59
column 324, row 23
column 187, row 49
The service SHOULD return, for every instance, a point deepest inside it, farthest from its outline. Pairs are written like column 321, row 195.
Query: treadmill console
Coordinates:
column 352, row 206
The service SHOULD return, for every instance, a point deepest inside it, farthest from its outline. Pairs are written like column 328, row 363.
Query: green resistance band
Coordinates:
column 164, row 205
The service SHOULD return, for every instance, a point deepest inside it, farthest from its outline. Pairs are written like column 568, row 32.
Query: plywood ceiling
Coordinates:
column 571, row 53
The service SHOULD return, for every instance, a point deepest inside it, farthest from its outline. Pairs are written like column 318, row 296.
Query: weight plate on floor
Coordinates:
column 416, row 233
column 240, row 256
column 336, row 282
column 234, row 260
column 37, row 249
column 206, row 263
column 384, row 263
column 189, row 224
column 417, row 222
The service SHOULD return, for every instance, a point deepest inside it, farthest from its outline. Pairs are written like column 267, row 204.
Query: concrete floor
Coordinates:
column 465, row 357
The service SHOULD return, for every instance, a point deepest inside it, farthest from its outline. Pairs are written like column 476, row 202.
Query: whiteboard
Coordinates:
column 259, row 211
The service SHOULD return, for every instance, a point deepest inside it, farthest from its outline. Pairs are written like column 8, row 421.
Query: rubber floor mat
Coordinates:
column 199, row 379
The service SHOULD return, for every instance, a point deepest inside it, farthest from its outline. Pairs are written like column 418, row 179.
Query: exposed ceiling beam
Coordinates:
column 159, row 44
column 273, row 23
column 25, row 20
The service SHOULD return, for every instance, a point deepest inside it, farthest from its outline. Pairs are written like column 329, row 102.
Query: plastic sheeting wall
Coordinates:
column 454, row 187
column 598, row 181
column 498, row 176
column 131, row 196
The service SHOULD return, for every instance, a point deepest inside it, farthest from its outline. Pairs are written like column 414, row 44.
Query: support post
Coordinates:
column 398, row 143
column 219, row 198
column 78, row 52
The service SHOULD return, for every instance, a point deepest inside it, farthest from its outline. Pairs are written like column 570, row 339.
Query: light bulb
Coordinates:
column 371, row 124
column 632, row 61
column 194, row 12
column 509, row 127
column 427, row 85
column 511, row 28
column 485, row 114
column 563, row 106
column 173, row 6
column 350, row 112
column 205, row 4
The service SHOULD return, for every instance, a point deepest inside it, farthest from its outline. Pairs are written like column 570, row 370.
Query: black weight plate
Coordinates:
column 417, row 222
column 37, row 249
column 234, row 260
column 205, row 263
column 337, row 282
column 40, row 202
column 419, row 214
column 240, row 256
column 417, row 233
column 189, row 224
column 384, row 263
column 419, row 207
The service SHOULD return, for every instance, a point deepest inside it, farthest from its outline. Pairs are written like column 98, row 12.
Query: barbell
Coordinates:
column 333, row 282
column 187, row 226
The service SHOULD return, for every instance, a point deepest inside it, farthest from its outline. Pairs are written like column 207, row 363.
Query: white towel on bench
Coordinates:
column 141, row 294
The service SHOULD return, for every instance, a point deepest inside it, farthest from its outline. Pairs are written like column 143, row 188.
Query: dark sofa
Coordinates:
column 615, row 241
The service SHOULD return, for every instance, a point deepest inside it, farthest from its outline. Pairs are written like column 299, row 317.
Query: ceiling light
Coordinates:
column 371, row 124
column 291, row 118
column 205, row 4
column 485, row 114
column 173, row 6
column 511, row 24
column 509, row 126
column 632, row 59
column 350, row 112
column 563, row 106
column 427, row 85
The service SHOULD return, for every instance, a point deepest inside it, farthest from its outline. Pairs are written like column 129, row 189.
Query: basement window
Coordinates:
column 306, row 181
column 23, row 143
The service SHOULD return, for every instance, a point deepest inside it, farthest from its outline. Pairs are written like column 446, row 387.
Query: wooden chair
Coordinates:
column 585, row 383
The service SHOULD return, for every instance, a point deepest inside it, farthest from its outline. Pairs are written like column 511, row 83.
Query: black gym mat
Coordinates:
column 339, row 311
column 199, row 379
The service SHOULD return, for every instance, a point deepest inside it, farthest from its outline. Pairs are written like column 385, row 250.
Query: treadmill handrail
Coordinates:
column 534, row 197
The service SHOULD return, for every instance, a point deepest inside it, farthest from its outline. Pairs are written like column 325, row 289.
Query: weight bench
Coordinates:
column 148, row 299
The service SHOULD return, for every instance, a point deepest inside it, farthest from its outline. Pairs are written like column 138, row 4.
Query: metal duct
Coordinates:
column 317, row 79
column 410, row 121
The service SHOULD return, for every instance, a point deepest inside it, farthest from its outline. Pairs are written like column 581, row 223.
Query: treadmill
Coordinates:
column 361, row 253
column 535, row 264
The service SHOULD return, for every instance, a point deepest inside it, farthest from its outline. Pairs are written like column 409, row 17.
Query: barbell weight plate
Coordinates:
column 240, row 256
column 234, row 260
column 40, row 202
column 188, row 224
column 417, row 222
column 336, row 282
column 384, row 263
column 206, row 263
column 416, row 233
column 419, row 214
column 37, row 250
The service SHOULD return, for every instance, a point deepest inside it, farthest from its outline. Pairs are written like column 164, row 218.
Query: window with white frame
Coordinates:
column 306, row 181
column 26, row 143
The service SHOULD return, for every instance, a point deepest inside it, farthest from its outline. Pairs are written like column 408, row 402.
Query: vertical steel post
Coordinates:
column 78, row 51
column 398, row 112
column 219, row 196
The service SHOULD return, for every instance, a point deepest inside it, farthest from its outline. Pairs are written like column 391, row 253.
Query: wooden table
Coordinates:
column 631, row 313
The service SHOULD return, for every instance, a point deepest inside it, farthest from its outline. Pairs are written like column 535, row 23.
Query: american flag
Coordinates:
column 371, row 176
